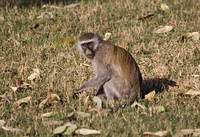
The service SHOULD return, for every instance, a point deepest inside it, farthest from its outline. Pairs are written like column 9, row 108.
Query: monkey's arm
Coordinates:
column 99, row 80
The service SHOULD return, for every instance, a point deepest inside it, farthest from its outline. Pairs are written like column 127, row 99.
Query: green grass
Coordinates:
column 27, row 42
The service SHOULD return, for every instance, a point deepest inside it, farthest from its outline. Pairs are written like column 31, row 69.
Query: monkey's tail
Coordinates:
column 157, row 84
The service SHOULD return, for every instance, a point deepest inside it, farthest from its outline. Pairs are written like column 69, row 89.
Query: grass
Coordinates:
column 27, row 42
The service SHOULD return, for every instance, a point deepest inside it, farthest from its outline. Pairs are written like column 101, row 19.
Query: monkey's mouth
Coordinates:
column 90, row 56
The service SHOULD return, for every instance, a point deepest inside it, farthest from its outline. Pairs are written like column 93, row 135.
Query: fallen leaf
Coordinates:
column 193, row 35
column 54, row 122
column 163, row 29
column 2, row 122
column 158, row 133
column 61, row 129
column 53, row 97
column 107, row 36
column 70, row 130
column 35, row 75
column 41, row 105
column 164, row 7
column 83, row 114
column 12, row 129
column 195, row 75
column 23, row 100
column 192, row 92
column 150, row 95
column 14, row 88
column 98, row 101
column 84, row 131
column 21, row 85
column 70, row 115
column 181, row 93
column 84, row 64
column 48, row 114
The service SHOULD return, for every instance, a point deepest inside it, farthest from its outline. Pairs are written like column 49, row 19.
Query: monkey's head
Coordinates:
column 88, row 43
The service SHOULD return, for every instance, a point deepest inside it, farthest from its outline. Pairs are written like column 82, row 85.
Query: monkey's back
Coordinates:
column 122, row 60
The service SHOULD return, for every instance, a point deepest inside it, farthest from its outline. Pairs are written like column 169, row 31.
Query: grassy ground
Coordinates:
column 28, row 42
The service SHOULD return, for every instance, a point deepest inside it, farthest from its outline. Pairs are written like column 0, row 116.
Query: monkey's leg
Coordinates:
column 93, row 82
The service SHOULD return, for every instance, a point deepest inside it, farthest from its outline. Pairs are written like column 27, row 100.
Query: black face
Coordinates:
column 88, row 49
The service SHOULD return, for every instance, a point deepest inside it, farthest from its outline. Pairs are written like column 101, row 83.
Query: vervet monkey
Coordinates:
column 117, row 73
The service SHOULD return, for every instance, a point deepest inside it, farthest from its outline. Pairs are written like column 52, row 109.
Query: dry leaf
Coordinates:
column 53, row 97
column 2, row 122
column 192, row 92
column 84, row 131
column 54, row 122
column 61, row 129
column 164, row 7
column 84, row 64
column 35, row 75
column 12, row 129
column 98, row 101
column 41, row 105
column 193, row 35
column 195, row 75
column 23, row 100
column 181, row 93
column 14, row 88
column 150, row 95
column 163, row 29
column 70, row 130
column 48, row 114
column 21, row 85
column 158, row 133
column 107, row 36
column 83, row 114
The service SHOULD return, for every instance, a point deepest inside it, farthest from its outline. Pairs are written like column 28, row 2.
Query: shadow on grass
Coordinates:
column 157, row 84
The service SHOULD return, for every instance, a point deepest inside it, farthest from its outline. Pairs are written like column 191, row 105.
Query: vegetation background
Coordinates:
column 37, row 38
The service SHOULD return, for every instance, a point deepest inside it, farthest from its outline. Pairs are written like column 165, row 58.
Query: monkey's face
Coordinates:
column 88, row 49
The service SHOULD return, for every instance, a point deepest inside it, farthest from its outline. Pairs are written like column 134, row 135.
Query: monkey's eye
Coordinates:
column 84, row 46
column 90, row 45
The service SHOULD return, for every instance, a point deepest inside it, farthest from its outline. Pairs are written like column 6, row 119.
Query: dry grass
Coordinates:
column 27, row 42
